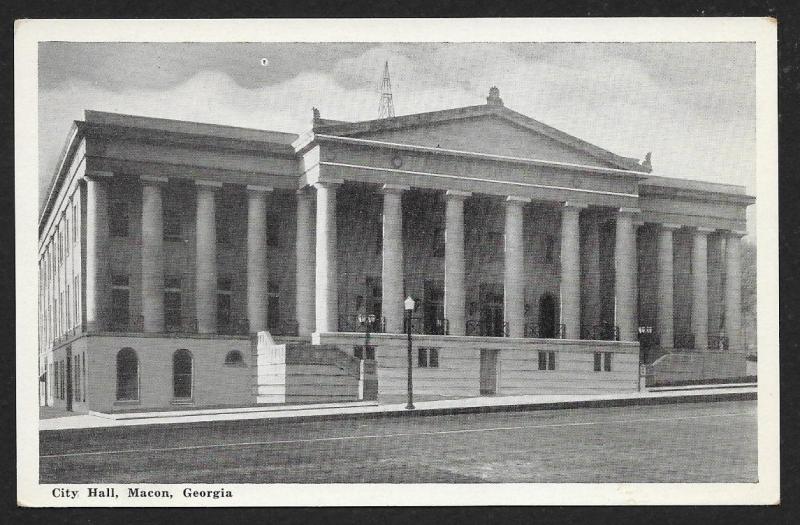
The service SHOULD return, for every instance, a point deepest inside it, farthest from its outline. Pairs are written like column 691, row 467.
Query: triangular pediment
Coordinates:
column 486, row 130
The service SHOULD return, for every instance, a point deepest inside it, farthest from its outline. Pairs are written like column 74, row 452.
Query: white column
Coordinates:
column 454, row 263
column 206, row 261
column 152, row 254
column 514, row 274
column 392, row 273
column 733, row 291
column 700, row 287
column 571, row 269
column 666, row 315
column 326, row 277
column 304, row 255
column 96, row 247
column 625, row 274
column 257, row 257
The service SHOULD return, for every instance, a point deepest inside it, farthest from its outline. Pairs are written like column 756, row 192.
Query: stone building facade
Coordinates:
column 538, row 262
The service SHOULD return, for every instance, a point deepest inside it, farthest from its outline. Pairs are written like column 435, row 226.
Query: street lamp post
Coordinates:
column 409, row 307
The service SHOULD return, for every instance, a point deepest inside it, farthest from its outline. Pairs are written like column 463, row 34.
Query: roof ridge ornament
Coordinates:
column 646, row 163
column 494, row 97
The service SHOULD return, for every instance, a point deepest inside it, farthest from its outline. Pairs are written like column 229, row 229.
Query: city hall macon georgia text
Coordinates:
column 538, row 263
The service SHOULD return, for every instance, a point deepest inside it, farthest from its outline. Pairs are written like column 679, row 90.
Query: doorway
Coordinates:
column 547, row 316
column 488, row 372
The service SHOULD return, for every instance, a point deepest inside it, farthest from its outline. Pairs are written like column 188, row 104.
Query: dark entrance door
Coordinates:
column 69, row 379
column 547, row 316
column 492, row 310
column 488, row 372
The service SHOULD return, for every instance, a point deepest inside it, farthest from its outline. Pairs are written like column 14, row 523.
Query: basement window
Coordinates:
column 360, row 352
column 547, row 360
column 428, row 358
column 602, row 361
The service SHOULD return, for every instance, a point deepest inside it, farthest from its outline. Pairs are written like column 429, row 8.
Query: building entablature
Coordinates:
column 430, row 168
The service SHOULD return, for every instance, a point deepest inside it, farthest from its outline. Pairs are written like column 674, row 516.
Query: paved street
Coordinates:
column 689, row 442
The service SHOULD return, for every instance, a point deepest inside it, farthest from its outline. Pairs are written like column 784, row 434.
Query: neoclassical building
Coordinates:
column 538, row 262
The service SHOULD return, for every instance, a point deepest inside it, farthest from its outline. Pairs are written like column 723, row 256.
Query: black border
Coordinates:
column 787, row 14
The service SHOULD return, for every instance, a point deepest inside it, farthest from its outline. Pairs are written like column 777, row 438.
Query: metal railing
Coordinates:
column 422, row 325
column 601, row 332
column 353, row 323
column 487, row 329
column 533, row 330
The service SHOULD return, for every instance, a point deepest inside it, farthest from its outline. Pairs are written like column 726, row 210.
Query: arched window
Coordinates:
column 182, row 374
column 127, row 375
column 234, row 358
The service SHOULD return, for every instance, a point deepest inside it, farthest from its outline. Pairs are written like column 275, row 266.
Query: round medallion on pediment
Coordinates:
column 397, row 161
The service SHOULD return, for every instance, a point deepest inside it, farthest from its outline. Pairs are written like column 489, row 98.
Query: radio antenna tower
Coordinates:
column 386, row 107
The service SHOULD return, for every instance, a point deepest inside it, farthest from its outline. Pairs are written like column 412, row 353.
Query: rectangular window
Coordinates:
column 223, row 304
column 120, row 296
column 428, row 358
column 438, row 242
column 172, row 304
column 273, row 231
column 118, row 218
column 62, row 379
column 74, row 223
column 77, row 378
column 273, row 308
column 66, row 235
column 68, row 308
column 359, row 352
column 547, row 360
column 222, row 228
column 172, row 225
column 433, row 358
column 602, row 361
column 76, row 293
column 378, row 232
column 494, row 243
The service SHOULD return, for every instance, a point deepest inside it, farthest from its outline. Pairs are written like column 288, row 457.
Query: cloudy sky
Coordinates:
column 692, row 105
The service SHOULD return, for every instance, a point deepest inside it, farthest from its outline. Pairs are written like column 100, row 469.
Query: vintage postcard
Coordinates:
column 396, row 262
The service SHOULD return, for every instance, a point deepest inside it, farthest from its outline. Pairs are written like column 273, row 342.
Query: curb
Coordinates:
column 484, row 409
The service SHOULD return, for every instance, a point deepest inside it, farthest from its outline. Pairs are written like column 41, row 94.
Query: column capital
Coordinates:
column 669, row 227
column 736, row 233
column 209, row 184
column 153, row 181
column 303, row 193
column 516, row 199
column 456, row 194
column 574, row 205
column 259, row 189
column 393, row 188
column 328, row 183
column 704, row 230
column 629, row 211
column 97, row 175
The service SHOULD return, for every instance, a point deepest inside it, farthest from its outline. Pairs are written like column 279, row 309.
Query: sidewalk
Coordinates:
column 439, row 407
